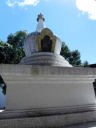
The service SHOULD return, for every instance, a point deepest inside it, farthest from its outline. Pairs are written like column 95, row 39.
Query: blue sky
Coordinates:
column 74, row 21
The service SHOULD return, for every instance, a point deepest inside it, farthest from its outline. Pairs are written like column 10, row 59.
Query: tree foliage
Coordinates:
column 12, row 50
column 85, row 64
column 6, row 53
column 16, row 41
column 73, row 57
column 65, row 51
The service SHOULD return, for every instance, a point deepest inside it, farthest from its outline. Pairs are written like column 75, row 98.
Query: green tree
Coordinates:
column 85, row 64
column 2, row 57
column 16, row 41
column 73, row 57
column 6, row 53
column 65, row 51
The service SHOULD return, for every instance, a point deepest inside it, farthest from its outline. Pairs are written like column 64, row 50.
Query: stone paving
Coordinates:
column 85, row 125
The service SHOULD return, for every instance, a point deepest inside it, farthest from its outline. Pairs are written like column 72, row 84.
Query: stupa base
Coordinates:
column 45, row 58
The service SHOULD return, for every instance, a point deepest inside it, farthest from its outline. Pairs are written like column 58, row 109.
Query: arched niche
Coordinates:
column 46, row 44
column 46, row 41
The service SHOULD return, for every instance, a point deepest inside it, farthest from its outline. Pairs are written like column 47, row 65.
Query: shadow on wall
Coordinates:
column 2, row 94
column 94, row 85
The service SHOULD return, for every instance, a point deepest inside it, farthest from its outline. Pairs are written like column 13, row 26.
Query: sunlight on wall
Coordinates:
column 1, row 110
column 92, row 127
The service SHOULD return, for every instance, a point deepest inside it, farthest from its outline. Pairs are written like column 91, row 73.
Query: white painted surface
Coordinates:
column 45, row 58
column 42, row 93
column 31, row 44
column 58, row 46
column 41, row 87
column 40, row 26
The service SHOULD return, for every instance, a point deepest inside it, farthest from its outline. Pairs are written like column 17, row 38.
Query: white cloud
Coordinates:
column 87, row 6
column 22, row 3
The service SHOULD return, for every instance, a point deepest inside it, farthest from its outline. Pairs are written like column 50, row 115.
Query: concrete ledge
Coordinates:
column 41, row 112
column 52, row 121
column 45, row 70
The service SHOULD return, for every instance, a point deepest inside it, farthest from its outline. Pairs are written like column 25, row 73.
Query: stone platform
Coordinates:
column 44, row 96
column 9, row 119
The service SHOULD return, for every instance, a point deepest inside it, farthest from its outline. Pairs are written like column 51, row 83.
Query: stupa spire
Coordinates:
column 40, row 20
column 40, row 17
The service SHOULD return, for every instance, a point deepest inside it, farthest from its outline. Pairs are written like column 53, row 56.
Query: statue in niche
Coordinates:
column 46, row 44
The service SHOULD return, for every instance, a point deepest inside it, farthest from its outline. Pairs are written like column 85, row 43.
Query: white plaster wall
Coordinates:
column 58, row 46
column 44, row 86
column 42, row 92
column 30, row 45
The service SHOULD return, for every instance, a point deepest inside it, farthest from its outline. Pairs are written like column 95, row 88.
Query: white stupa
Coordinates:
column 51, row 96
column 42, row 47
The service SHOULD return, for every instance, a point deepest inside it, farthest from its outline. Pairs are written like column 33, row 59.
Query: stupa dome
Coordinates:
column 42, row 47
